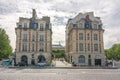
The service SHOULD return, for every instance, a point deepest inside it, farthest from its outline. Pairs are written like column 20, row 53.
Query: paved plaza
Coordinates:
column 58, row 74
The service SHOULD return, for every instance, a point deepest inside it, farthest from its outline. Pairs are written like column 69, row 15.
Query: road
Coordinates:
column 59, row 74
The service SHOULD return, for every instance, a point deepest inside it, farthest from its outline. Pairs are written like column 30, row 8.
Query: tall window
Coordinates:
column 24, row 47
column 33, row 37
column 25, row 25
column 41, row 26
column 35, row 25
column 95, row 37
column 80, row 25
column 95, row 47
column 95, row 26
column 81, row 47
column 88, row 36
column 41, row 47
column 81, row 59
column 88, row 47
column 24, row 37
column 33, row 46
column 80, row 36
column 41, row 37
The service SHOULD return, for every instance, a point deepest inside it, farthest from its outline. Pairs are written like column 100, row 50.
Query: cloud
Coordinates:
column 8, row 7
column 60, row 11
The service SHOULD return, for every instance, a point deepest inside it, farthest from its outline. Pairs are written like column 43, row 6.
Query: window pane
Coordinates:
column 25, row 25
column 80, row 25
column 41, row 47
column 80, row 36
column 81, row 47
column 95, row 36
column 32, row 47
column 41, row 26
column 88, row 36
column 24, row 37
column 33, row 38
column 41, row 37
column 95, row 47
column 81, row 59
column 88, row 47
column 95, row 26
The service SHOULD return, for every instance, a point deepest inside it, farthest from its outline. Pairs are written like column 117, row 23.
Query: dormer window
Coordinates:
column 41, row 26
column 19, row 25
column 95, row 26
column 25, row 25
column 35, row 25
column 80, row 25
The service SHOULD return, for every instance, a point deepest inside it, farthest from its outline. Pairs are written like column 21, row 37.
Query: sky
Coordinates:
column 60, row 11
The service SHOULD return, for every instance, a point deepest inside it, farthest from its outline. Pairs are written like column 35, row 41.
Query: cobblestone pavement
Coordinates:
column 59, row 74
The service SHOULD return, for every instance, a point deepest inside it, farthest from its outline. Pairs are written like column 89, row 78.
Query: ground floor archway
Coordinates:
column 24, row 59
column 81, row 59
column 97, row 62
column 41, row 58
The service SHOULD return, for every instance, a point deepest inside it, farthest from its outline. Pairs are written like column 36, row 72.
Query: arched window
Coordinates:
column 24, row 58
column 81, row 59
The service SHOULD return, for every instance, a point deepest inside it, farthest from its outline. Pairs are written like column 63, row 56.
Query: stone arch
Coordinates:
column 81, row 59
column 41, row 58
column 24, row 58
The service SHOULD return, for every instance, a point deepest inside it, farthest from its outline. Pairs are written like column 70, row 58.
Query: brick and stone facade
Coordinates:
column 33, row 39
column 84, row 40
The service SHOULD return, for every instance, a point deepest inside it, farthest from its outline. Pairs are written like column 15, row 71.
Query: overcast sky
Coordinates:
column 60, row 11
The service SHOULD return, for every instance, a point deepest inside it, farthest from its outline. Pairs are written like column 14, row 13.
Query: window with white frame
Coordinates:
column 24, row 47
column 80, row 25
column 41, row 26
column 81, row 47
column 24, row 37
column 95, row 37
column 33, row 37
column 41, row 47
column 95, row 26
column 41, row 37
column 80, row 36
column 95, row 47
column 25, row 25
column 33, row 47
column 81, row 59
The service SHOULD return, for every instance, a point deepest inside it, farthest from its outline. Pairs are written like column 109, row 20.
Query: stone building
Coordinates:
column 84, row 40
column 33, row 39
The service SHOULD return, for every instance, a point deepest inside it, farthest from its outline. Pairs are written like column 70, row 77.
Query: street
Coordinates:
column 59, row 74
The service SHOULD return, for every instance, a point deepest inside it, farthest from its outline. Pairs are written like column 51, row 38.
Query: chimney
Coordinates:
column 34, row 15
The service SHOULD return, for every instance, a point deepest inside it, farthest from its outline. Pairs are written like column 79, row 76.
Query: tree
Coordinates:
column 58, row 53
column 5, row 48
column 113, row 52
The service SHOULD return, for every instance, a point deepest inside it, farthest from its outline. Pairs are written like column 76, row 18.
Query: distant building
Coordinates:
column 33, row 39
column 58, row 47
column 84, row 40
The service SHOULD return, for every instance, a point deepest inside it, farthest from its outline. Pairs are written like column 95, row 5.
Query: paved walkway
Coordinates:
column 62, row 64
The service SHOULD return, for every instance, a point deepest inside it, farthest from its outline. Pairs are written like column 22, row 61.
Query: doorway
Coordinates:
column 41, row 58
column 97, row 62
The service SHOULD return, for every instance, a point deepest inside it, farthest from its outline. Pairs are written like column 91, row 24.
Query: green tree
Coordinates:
column 5, row 48
column 113, row 52
column 58, row 53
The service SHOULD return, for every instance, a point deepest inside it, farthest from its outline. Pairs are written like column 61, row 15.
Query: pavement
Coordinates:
column 62, row 64
column 59, row 74
column 62, row 71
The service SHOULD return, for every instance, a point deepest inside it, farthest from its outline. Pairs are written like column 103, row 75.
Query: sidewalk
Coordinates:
column 62, row 64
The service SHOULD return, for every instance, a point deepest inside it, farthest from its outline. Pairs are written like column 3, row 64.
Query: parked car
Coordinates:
column 22, row 63
column 5, row 63
column 42, row 64
column 74, row 64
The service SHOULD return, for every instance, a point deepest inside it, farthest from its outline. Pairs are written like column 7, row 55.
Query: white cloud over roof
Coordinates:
column 60, row 11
